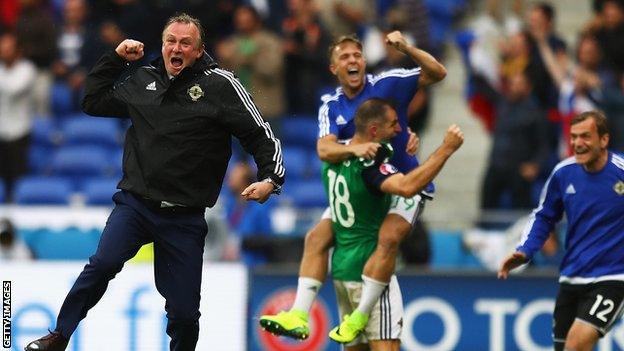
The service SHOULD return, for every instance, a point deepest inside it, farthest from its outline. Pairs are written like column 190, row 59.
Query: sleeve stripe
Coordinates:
column 323, row 116
column 396, row 73
column 279, row 169
column 531, row 221
column 618, row 161
column 323, row 120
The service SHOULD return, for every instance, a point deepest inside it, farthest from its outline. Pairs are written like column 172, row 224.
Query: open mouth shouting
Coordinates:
column 177, row 62
column 353, row 75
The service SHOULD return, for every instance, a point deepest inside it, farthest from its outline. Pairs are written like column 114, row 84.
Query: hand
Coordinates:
column 130, row 50
column 529, row 171
column 512, row 261
column 454, row 137
column 366, row 150
column 397, row 40
column 258, row 191
column 413, row 143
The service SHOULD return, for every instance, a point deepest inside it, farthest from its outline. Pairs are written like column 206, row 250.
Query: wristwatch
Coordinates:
column 277, row 189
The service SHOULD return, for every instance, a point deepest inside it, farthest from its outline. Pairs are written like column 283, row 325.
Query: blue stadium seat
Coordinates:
column 300, row 131
column 68, row 244
column 2, row 191
column 117, row 162
column 99, row 191
column 297, row 162
column 314, row 168
column 306, row 194
column 61, row 99
column 82, row 130
column 44, row 132
column 448, row 251
column 42, row 190
column 80, row 162
column 39, row 158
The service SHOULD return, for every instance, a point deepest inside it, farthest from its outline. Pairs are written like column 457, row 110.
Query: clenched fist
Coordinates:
column 454, row 137
column 397, row 40
column 130, row 50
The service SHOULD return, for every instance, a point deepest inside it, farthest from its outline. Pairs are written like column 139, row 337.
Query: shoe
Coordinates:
column 350, row 328
column 293, row 324
column 51, row 342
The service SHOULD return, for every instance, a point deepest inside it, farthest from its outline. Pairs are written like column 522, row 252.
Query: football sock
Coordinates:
column 371, row 291
column 307, row 289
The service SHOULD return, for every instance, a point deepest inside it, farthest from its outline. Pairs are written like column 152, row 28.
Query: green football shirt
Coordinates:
column 358, row 208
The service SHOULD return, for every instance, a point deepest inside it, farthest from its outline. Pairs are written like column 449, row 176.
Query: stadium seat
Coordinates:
column 80, row 162
column 297, row 162
column 42, row 190
column 68, row 244
column 2, row 191
column 306, row 194
column 99, row 191
column 83, row 130
column 448, row 251
column 44, row 132
column 61, row 99
column 39, row 159
column 300, row 131
column 314, row 168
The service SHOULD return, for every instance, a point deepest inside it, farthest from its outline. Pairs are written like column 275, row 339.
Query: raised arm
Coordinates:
column 432, row 71
column 100, row 99
column 410, row 184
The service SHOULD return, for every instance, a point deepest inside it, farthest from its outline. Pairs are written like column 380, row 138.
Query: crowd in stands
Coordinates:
column 525, row 82
column 51, row 153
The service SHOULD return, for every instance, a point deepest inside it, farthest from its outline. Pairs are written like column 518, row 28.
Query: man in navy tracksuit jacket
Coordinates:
column 589, row 188
column 184, row 111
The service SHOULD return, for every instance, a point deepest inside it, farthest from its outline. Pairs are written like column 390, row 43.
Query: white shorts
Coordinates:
column 408, row 208
column 386, row 319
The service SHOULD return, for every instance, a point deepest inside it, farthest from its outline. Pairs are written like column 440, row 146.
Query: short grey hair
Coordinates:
column 186, row 19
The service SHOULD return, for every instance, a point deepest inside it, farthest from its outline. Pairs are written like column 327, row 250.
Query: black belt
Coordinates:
column 164, row 207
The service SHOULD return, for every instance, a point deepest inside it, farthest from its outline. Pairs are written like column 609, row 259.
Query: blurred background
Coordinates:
column 517, row 72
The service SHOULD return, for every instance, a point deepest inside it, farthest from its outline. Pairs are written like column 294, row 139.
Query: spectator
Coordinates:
column 12, row 248
column 541, row 26
column 415, row 22
column 36, row 34
column 342, row 17
column 17, row 77
column 609, row 31
column 257, row 57
column 612, row 103
column 578, row 90
column 216, row 15
column 247, row 219
column 71, row 39
column 129, row 16
column 519, row 149
column 305, row 43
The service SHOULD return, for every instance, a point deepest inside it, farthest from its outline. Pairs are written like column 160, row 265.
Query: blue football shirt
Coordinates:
column 337, row 113
column 594, row 206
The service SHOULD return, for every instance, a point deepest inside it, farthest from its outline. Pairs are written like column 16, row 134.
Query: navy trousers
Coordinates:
column 178, row 234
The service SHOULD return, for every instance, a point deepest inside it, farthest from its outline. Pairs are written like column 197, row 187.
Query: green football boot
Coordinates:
column 293, row 324
column 350, row 328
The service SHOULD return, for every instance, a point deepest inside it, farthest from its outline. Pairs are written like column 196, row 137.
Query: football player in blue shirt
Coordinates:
column 589, row 189
column 336, row 127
